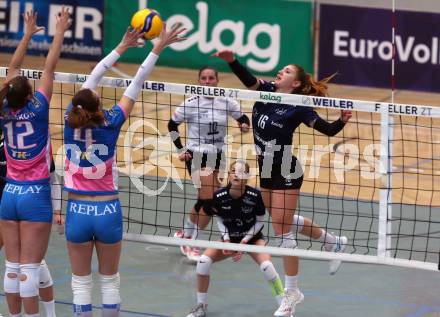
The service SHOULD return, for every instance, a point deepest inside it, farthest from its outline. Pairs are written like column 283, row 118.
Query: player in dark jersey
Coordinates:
column 281, row 175
column 239, row 210
column 26, row 207
column 45, row 286
column 207, row 126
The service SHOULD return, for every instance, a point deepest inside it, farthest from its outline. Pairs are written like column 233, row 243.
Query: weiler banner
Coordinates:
column 82, row 41
column 264, row 36
column 357, row 43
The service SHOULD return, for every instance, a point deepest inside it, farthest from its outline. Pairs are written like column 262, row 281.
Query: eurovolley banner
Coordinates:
column 83, row 40
column 356, row 43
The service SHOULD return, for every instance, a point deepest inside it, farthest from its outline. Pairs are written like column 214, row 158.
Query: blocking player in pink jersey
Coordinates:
column 26, row 208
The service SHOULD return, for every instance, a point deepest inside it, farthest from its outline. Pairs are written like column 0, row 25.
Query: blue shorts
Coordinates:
column 94, row 220
column 25, row 202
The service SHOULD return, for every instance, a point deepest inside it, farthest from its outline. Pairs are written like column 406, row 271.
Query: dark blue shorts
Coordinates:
column 94, row 221
column 25, row 202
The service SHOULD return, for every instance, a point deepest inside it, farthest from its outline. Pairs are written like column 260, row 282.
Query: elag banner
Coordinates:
column 357, row 43
column 264, row 36
column 83, row 40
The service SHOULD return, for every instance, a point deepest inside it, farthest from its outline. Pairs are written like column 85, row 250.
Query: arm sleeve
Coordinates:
column 234, row 109
column 98, row 72
column 55, row 189
column 242, row 73
column 254, row 229
column 174, row 133
column 330, row 129
column 244, row 119
column 223, row 230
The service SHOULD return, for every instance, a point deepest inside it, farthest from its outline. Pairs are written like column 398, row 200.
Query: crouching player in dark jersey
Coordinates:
column 45, row 279
column 240, row 214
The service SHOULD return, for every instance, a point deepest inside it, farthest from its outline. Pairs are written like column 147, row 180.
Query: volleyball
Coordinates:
column 149, row 21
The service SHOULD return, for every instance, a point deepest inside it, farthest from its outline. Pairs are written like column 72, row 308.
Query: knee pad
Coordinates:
column 45, row 277
column 11, row 283
column 298, row 221
column 198, row 205
column 82, row 289
column 206, row 204
column 204, row 265
column 286, row 240
column 29, row 279
column 268, row 270
column 110, row 285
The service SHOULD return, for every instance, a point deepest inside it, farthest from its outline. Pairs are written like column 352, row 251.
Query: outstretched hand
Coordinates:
column 132, row 38
column 226, row 55
column 63, row 20
column 346, row 115
column 168, row 37
column 30, row 20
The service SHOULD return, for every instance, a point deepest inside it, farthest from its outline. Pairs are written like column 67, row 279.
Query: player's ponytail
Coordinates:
column 3, row 93
column 16, row 92
column 86, row 110
column 309, row 86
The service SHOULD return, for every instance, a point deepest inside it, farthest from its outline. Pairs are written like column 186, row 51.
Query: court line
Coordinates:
column 122, row 310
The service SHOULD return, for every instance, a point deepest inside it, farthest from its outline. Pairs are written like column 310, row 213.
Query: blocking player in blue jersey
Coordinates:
column 281, row 175
column 26, row 208
column 94, row 215
column 239, row 210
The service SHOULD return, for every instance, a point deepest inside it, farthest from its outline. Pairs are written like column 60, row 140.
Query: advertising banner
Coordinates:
column 264, row 37
column 82, row 41
column 357, row 43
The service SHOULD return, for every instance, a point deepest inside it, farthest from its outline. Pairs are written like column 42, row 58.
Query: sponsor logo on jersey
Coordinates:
column 276, row 124
column 280, row 111
column 226, row 207
column 246, row 210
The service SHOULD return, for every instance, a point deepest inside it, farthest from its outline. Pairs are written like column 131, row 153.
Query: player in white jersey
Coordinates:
column 207, row 124
column 26, row 207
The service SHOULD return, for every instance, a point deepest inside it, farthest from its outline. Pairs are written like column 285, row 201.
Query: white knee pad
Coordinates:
column 204, row 265
column 298, row 221
column 11, row 283
column 45, row 277
column 110, row 285
column 82, row 289
column 29, row 279
column 268, row 270
column 286, row 240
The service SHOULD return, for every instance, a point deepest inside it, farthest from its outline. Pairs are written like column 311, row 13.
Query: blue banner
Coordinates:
column 356, row 43
column 83, row 41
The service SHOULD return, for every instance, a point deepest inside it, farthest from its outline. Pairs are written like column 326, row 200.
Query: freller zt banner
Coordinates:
column 357, row 43
column 82, row 41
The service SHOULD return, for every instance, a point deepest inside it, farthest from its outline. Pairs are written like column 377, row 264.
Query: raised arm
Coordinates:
column 132, row 92
column 30, row 20
column 333, row 128
column 131, row 39
column 249, row 80
column 63, row 23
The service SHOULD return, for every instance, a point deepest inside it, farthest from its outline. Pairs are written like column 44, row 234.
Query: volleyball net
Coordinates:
column 376, row 182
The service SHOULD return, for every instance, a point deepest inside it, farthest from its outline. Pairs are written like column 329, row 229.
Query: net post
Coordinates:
column 382, row 243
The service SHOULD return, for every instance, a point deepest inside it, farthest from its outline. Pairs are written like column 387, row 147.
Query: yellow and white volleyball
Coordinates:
column 149, row 21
